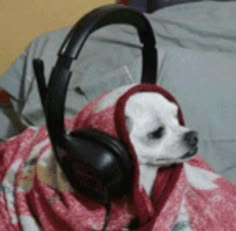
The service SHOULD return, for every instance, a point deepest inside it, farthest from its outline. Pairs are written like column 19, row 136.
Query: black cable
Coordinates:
column 108, row 211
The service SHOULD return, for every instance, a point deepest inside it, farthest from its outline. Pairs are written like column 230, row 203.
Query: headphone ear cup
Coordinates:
column 111, row 143
column 95, row 161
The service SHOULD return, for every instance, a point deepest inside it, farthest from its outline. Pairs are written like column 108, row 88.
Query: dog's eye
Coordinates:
column 157, row 134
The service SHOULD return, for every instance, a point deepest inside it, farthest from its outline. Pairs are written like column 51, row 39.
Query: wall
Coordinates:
column 22, row 20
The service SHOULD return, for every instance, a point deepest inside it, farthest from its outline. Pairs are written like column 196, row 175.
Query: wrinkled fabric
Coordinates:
column 35, row 195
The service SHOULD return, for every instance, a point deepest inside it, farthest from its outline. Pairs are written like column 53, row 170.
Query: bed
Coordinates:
column 197, row 63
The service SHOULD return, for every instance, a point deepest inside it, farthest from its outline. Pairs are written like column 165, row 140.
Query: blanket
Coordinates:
column 35, row 194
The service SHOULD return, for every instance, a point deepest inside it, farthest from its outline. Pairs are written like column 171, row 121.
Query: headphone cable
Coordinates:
column 108, row 210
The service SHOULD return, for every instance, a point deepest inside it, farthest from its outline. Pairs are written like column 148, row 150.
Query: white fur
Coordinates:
column 146, row 112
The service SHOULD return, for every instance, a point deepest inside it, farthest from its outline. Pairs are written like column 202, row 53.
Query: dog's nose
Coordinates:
column 191, row 138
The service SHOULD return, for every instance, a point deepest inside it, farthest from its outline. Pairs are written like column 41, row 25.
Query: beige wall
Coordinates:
column 22, row 20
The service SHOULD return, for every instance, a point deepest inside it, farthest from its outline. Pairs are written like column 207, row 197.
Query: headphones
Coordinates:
column 95, row 163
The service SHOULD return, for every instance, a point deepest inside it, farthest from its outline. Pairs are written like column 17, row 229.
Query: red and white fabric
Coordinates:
column 35, row 195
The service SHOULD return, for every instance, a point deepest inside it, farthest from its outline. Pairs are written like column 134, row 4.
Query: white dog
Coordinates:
column 158, row 138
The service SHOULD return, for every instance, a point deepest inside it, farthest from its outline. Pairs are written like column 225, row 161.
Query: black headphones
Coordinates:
column 94, row 162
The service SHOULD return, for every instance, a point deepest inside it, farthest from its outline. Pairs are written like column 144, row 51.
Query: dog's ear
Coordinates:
column 129, row 123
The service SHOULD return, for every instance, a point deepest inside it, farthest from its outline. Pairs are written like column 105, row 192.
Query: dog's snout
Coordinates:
column 191, row 138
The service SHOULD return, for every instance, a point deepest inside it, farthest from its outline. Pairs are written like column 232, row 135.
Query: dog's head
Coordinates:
column 155, row 131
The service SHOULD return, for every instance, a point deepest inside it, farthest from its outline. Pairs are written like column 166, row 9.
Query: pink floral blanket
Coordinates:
column 35, row 195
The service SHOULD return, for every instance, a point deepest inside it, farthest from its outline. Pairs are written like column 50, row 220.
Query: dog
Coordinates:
column 158, row 138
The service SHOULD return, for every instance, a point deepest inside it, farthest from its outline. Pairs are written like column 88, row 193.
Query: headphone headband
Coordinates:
column 101, row 17
column 71, row 48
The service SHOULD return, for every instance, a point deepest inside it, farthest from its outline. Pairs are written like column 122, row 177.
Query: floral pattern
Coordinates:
column 35, row 195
